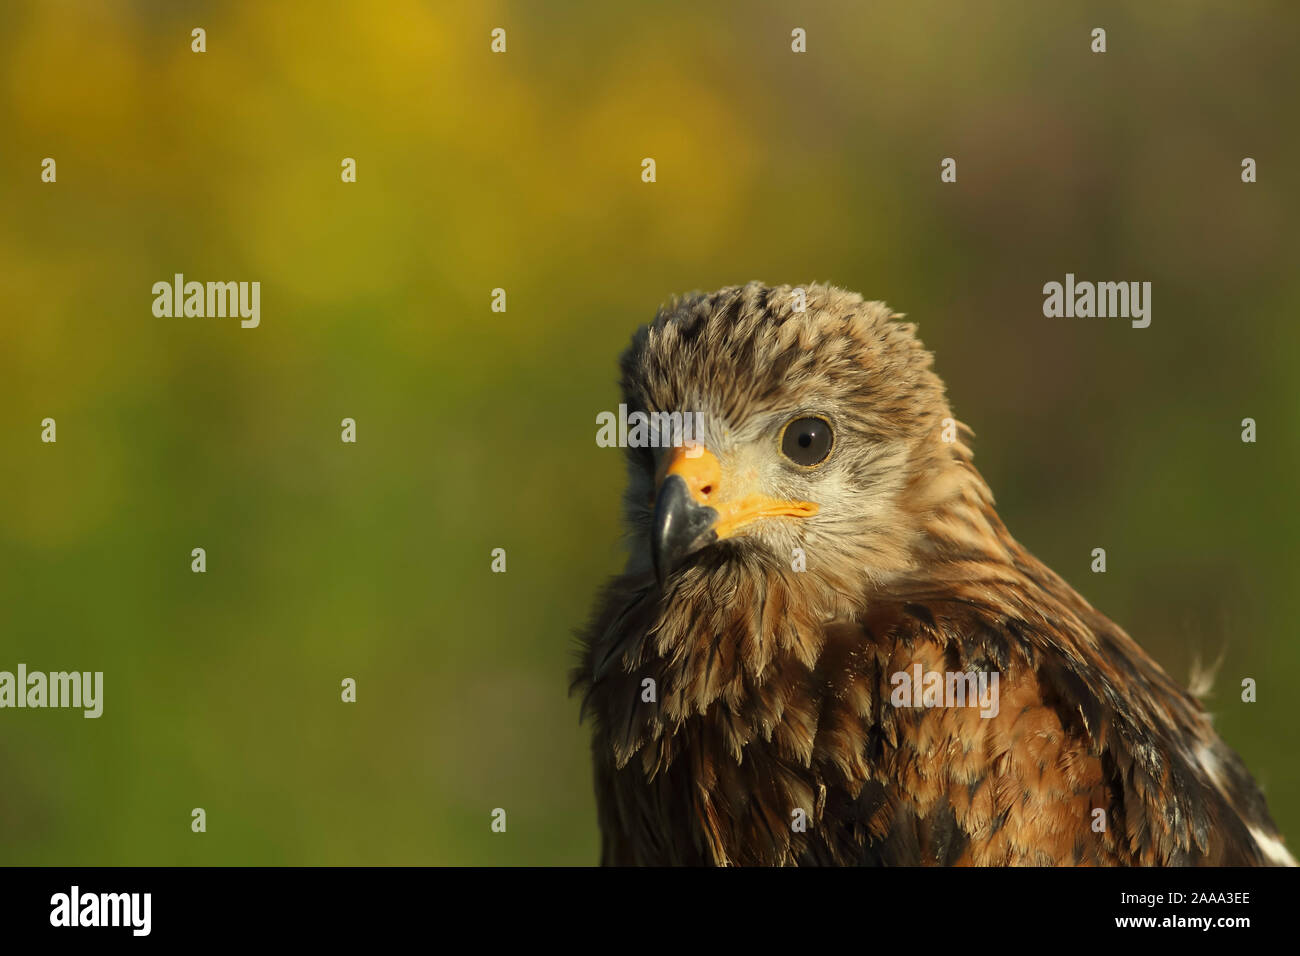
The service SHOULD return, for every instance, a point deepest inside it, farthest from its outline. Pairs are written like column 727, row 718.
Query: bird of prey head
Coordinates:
column 821, row 431
column 823, row 534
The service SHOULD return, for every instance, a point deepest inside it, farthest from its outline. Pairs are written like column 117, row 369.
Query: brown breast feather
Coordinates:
column 761, row 712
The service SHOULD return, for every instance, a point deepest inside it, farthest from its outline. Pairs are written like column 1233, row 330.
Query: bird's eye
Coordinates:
column 807, row 441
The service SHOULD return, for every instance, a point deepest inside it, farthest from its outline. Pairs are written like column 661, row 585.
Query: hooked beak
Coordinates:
column 681, row 526
column 694, row 509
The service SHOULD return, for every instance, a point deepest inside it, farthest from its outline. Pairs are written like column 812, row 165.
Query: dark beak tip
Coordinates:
column 681, row 527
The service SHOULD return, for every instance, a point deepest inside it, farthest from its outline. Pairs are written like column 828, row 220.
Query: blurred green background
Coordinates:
column 476, row 429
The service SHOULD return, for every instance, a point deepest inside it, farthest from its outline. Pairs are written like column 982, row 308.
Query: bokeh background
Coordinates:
column 476, row 429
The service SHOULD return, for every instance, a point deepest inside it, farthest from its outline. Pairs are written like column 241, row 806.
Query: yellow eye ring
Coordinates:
column 807, row 441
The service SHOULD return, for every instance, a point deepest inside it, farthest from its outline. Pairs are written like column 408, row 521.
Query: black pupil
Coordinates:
column 807, row 441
